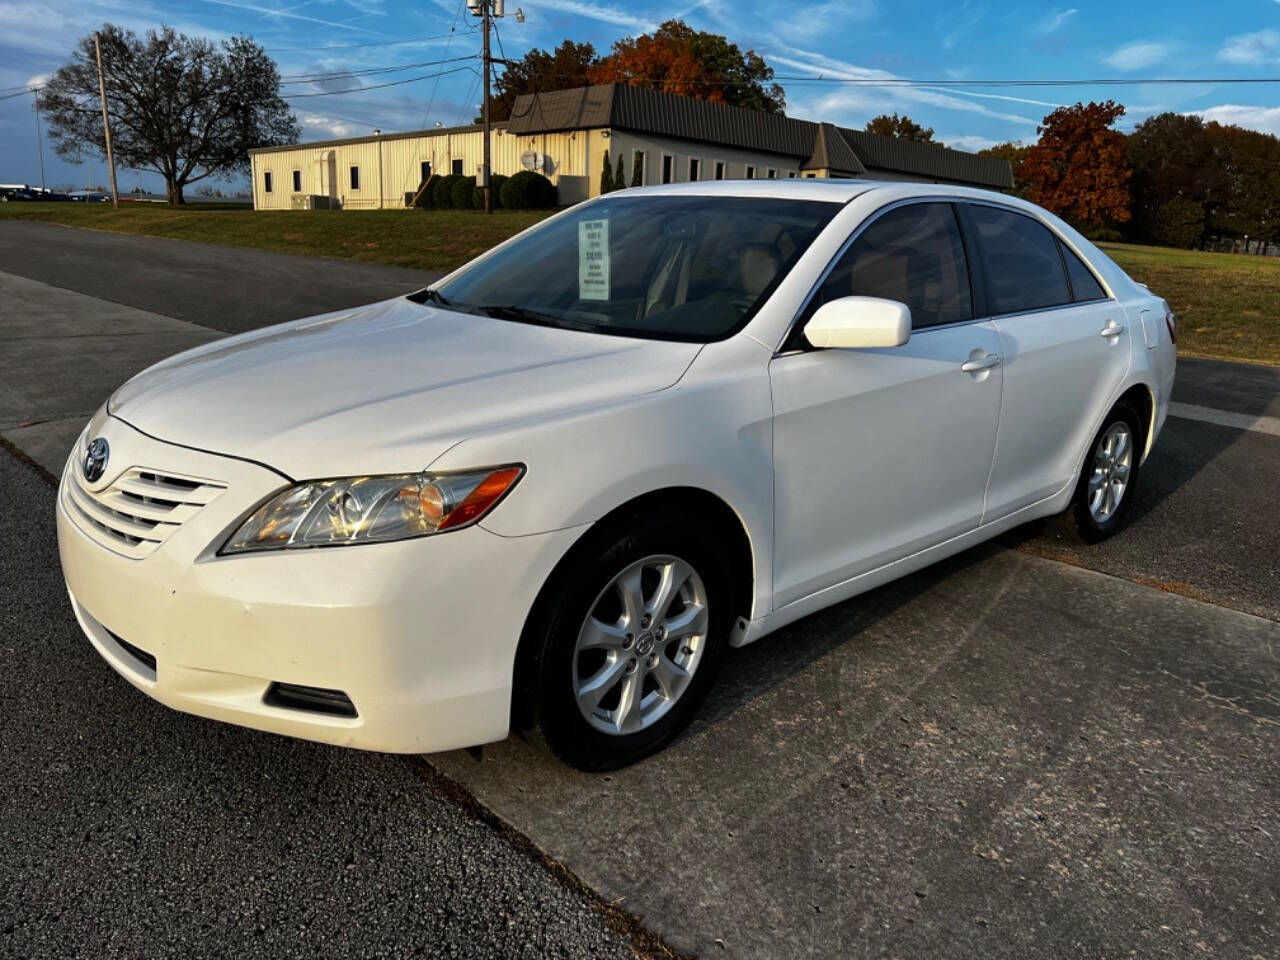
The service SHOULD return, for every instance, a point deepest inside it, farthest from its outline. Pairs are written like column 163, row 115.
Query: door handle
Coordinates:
column 1112, row 329
column 981, row 363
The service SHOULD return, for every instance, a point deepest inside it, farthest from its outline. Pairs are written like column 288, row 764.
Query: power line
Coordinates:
column 378, row 86
column 358, row 46
column 436, row 86
column 368, row 71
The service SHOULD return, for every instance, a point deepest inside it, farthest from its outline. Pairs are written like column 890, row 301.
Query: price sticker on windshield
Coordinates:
column 593, row 260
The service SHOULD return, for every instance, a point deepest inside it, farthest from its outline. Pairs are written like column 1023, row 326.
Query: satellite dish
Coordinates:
column 532, row 160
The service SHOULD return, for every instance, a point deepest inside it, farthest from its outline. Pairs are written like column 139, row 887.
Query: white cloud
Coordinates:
column 859, row 99
column 595, row 11
column 1264, row 119
column 1137, row 55
column 1252, row 48
column 964, row 21
column 1055, row 19
column 967, row 141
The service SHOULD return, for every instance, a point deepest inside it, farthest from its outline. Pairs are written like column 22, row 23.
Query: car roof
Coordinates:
column 804, row 188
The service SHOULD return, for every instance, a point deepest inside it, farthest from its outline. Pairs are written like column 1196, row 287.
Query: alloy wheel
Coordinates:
column 640, row 644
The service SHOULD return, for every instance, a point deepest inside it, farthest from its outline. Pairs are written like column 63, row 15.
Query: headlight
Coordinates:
column 325, row 513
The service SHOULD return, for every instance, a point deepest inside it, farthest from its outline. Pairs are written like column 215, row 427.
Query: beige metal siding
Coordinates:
column 736, row 161
column 390, row 168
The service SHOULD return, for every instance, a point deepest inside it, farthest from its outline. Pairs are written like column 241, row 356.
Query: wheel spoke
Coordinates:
column 688, row 622
column 593, row 690
column 1120, row 472
column 628, row 715
column 673, row 577
column 631, row 592
column 1121, row 446
column 598, row 635
column 670, row 676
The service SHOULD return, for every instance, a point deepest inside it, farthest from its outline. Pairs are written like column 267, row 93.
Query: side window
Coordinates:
column 297, row 181
column 355, row 178
column 912, row 254
column 1084, row 285
column 424, row 170
column 266, row 181
column 1024, row 268
column 455, row 167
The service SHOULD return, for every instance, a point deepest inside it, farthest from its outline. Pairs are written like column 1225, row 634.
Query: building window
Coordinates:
column 719, row 169
column 791, row 174
column 772, row 174
column 425, row 169
column 637, row 169
column 456, row 168
column 355, row 178
column 266, row 181
column 810, row 176
column 297, row 181
column 668, row 167
column 751, row 173
column 695, row 169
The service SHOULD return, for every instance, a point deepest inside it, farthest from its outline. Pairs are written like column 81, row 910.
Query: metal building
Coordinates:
column 565, row 133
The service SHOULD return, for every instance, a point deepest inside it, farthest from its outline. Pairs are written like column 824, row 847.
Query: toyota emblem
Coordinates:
column 95, row 459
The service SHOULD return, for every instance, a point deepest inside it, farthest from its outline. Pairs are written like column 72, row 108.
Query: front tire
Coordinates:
column 634, row 639
column 1104, row 493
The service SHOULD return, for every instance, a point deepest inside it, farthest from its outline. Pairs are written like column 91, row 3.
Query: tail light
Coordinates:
column 1171, row 322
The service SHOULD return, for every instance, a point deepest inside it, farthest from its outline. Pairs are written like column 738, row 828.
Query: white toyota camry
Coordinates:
column 555, row 487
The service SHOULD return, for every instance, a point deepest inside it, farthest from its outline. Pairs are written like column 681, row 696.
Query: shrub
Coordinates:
column 442, row 194
column 620, row 178
column 637, row 169
column 462, row 193
column 496, row 180
column 528, row 190
column 606, row 175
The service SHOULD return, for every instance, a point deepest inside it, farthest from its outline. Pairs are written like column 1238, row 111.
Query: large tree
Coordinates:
column 1250, row 162
column 902, row 127
column 540, row 71
column 1014, row 152
column 1178, row 181
column 675, row 58
column 1079, row 169
column 182, row 106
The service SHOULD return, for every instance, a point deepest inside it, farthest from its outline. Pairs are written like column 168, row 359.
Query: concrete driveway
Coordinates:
column 1035, row 748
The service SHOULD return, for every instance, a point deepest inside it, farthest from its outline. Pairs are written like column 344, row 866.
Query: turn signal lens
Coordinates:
column 484, row 496
column 371, row 509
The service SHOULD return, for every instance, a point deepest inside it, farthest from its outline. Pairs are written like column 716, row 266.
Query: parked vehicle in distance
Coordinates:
column 17, row 195
column 554, row 488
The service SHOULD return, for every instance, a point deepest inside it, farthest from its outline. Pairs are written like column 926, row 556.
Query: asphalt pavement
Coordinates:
column 1003, row 756
column 225, row 288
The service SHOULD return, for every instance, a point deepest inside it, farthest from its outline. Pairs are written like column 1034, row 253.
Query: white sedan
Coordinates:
column 556, row 486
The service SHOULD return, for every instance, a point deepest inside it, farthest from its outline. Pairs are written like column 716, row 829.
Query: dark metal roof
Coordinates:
column 928, row 160
column 832, row 152
column 818, row 145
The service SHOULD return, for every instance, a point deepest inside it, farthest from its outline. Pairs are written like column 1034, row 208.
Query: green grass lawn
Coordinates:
column 426, row 239
column 1227, row 305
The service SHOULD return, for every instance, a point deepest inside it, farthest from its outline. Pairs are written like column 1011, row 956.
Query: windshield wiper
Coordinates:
column 525, row 315
column 431, row 296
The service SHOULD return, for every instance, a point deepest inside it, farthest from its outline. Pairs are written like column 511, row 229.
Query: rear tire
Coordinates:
column 1104, row 492
column 633, row 639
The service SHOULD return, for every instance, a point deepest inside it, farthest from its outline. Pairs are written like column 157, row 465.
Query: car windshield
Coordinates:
column 662, row 267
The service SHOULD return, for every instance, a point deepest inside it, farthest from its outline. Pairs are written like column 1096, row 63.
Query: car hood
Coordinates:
column 385, row 388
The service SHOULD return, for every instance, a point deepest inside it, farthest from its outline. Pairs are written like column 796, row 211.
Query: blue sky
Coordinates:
column 879, row 39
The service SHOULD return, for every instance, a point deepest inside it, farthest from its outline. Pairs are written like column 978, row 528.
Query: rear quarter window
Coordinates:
column 1084, row 285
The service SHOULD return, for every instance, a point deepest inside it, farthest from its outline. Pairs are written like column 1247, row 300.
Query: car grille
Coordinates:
column 139, row 511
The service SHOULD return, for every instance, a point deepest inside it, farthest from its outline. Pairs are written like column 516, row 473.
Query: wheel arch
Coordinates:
column 1142, row 398
column 707, row 508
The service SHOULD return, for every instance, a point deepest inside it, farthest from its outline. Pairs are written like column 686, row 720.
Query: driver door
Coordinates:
column 881, row 453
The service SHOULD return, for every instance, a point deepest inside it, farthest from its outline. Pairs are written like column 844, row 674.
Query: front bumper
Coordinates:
column 420, row 634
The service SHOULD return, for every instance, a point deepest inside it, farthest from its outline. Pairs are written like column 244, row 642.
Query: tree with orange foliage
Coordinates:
column 675, row 58
column 1079, row 169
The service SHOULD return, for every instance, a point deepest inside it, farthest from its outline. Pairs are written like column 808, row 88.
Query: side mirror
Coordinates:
column 852, row 322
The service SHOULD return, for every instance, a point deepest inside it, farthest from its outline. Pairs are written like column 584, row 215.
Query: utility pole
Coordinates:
column 106, row 123
column 487, row 11
column 39, row 142
column 488, row 199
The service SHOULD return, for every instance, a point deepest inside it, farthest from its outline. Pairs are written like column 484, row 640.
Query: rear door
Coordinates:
column 880, row 453
column 1065, row 344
